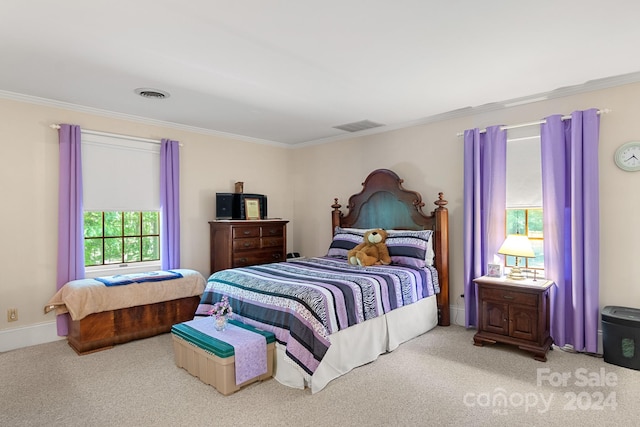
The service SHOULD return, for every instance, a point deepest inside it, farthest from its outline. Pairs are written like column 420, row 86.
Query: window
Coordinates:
column 121, row 198
column 121, row 237
column 529, row 223
column 524, row 192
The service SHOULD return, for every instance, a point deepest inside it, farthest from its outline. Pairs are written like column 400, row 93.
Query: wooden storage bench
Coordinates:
column 213, row 360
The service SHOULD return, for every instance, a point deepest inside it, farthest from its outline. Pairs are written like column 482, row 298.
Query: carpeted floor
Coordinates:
column 437, row 379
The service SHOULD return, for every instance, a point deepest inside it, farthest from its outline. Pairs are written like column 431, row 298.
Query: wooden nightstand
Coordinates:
column 516, row 313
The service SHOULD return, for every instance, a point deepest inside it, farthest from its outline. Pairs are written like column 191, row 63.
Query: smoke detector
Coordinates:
column 151, row 93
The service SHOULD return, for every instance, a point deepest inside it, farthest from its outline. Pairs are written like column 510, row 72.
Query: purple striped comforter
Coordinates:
column 304, row 301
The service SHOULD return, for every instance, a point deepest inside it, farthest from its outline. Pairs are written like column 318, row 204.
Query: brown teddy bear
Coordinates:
column 373, row 251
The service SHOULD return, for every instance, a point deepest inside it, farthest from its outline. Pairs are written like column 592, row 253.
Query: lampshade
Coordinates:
column 517, row 245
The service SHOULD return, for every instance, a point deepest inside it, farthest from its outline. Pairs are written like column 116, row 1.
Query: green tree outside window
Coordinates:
column 121, row 237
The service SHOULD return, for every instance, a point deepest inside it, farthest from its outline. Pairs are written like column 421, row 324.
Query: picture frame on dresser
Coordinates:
column 494, row 270
column 252, row 209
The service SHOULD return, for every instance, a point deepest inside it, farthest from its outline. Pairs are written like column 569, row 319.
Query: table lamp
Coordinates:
column 517, row 245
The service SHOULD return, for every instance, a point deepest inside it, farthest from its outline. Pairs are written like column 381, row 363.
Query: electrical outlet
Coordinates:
column 12, row 315
column 461, row 295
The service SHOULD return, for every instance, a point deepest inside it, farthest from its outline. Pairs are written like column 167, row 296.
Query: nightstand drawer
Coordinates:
column 504, row 295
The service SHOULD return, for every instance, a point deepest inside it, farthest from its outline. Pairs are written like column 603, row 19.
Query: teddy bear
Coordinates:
column 372, row 251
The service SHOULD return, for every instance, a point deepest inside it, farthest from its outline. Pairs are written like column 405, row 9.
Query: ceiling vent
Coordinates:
column 152, row 93
column 358, row 126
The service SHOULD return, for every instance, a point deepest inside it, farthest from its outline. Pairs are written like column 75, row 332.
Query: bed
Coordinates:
column 104, row 313
column 329, row 316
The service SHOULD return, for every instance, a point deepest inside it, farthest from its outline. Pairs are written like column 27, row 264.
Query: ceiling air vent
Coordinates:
column 358, row 126
column 152, row 93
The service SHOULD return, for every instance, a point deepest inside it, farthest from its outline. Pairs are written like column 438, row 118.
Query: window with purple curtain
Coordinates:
column 485, row 157
column 170, row 204
column 70, row 216
column 570, row 194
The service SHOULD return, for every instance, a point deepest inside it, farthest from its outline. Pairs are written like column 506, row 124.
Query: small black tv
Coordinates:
column 231, row 205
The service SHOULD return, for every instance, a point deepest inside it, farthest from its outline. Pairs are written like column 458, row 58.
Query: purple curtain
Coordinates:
column 485, row 169
column 571, row 226
column 70, row 218
column 170, row 204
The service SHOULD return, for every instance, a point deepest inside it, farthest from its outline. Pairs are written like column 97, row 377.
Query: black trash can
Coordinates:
column 621, row 336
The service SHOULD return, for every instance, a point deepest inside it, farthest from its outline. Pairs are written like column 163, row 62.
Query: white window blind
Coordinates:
column 524, row 168
column 120, row 174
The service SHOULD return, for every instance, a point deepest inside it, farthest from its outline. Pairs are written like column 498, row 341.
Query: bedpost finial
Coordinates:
column 335, row 204
column 441, row 202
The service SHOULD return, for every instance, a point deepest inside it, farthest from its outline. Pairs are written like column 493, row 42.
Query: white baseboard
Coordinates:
column 456, row 315
column 11, row 339
column 41, row 333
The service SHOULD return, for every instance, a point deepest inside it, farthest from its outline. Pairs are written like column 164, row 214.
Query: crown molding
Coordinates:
column 589, row 86
column 132, row 118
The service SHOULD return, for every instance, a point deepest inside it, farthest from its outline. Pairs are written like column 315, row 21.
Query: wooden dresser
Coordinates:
column 239, row 243
column 516, row 313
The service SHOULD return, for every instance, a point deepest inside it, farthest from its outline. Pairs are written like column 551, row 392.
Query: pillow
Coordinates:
column 345, row 239
column 409, row 247
column 406, row 247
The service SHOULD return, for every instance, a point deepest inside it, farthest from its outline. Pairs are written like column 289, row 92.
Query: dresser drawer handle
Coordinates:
column 247, row 245
column 243, row 260
column 246, row 232
column 507, row 297
column 276, row 256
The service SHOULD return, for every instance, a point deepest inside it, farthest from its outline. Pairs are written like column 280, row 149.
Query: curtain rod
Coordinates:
column 112, row 135
column 538, row 122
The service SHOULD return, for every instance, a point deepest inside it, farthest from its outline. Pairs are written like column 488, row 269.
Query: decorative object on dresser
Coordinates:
column 243, row 243
column 494, row 270
column 515, row 313
column 233, row 206
column 517, row 245
column 252, row 209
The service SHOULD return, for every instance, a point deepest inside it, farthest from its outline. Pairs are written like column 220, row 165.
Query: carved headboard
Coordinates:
column 385, row 203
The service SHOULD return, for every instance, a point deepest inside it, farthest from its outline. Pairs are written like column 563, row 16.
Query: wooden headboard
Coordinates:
column 384, row 203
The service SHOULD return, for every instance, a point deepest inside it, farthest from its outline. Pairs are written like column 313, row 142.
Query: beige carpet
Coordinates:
column 438, row 379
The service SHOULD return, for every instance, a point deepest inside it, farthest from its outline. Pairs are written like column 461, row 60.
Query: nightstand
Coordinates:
column 515, row 313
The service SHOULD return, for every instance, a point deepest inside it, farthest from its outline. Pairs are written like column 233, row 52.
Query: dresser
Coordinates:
column 239, row 243
column 515, row 313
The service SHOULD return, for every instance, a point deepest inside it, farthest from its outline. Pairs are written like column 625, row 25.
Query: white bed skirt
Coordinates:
column 360, row 344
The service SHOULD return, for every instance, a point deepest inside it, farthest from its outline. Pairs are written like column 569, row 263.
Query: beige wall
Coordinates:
column 29, row 174
column 301, row 184
column 429, row 159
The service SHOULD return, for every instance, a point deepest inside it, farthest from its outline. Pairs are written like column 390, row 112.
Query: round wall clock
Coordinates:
column 627, row 156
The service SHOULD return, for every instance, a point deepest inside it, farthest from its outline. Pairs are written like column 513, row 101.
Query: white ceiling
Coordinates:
column 288, row 71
